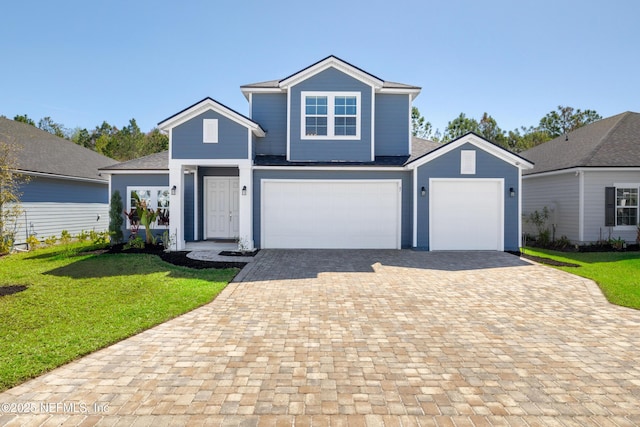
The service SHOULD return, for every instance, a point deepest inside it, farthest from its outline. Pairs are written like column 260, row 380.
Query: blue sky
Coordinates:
column 84, row 62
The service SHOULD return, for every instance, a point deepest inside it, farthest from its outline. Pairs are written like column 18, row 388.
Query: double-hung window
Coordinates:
column 626, row 205
column 330, row 115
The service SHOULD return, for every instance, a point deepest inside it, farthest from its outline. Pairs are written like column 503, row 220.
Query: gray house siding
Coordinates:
column 392, row 125
column 594, row 184
column 331, row 80
column 121, row 182
column 270, row 110
column 40, row 189
column 187, row 139
column 487, row 166
column 407, row 199
column 51, row 205
column 560, row 194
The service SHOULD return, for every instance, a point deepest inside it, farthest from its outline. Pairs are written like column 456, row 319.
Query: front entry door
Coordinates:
column 221, row 207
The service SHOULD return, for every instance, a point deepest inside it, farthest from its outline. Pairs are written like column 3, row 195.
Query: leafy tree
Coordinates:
column 115, row 217
column 419, row 126
column 460, row 126
column 489, row 129
column 10, row 182
column 154, row 142
column 83, row 138
column 24, row 119
column 565, row 120
column 57, row 129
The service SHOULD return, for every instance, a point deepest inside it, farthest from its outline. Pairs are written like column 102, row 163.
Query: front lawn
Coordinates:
column 617, row 273
column 76, row 302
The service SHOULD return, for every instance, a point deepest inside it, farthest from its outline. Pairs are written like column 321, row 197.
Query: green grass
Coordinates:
column 617, row 273
column 77, row 302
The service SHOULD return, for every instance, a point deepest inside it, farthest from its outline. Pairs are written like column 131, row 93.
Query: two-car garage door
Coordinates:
column 347, row 214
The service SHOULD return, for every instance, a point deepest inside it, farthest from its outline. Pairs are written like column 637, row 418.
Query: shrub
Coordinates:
column 32, row 241
column 65, row 237
column 50, row 241
column 135, row 243
column 115, row 218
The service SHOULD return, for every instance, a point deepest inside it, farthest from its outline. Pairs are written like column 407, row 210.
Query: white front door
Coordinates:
column 221, row 207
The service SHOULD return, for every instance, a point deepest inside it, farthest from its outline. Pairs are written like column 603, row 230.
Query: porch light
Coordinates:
column 173, row 190
column 244, row 190
column 423, row 191
column 512, row 192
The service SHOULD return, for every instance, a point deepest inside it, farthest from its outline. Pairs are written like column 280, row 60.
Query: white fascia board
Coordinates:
column 248, row 91
column 206, row 105
column 138, row 171
column 332, row 62
column 412, row 92
column 583, row 169
column 333, row 168
column 66, row 177
column 175, row 163
column 490, row 148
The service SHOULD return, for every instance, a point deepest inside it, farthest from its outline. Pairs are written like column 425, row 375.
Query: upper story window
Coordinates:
column 330, row 115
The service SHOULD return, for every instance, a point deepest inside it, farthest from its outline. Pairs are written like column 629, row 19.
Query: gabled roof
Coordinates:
column 210, row 104
column 40, row 152
column 330, row 62
column 473, row 139
column 610, row 142
column 152, row 162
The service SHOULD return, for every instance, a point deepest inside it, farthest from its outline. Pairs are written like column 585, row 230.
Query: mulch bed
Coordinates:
column 549, row 261
column 176, row 258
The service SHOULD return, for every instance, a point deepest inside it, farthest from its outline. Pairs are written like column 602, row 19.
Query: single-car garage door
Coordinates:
column 330, row 214
column 466, row 214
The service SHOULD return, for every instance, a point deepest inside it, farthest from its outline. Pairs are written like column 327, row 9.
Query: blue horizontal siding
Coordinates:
column 487, row 166
column 187, row 139
column 407, row 199
column 392, row 125
column 42, row 189
column 339, row 150
column 270, row 110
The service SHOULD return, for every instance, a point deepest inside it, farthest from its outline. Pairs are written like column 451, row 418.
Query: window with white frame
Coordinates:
column 626, row 205
column 154, row 198
column 330, row 115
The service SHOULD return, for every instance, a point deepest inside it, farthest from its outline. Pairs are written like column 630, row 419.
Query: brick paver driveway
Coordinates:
column 365, row 337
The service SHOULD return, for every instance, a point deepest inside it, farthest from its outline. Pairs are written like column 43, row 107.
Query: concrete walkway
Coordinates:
column 364, row 338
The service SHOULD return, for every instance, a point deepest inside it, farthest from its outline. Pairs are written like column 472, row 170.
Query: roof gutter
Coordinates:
column 57, row 176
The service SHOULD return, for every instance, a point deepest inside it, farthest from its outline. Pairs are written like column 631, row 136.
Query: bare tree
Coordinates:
column 10, row 183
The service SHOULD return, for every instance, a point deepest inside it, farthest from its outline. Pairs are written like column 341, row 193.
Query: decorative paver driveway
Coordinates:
column 365, row 337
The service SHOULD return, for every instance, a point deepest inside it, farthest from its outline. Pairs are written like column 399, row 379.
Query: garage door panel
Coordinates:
column 331, row 214
column 466, row 215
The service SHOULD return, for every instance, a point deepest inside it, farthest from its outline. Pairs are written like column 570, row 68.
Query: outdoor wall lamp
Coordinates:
column 173, row 190
column 512, row 192
column 423, row 191
column 244, row 190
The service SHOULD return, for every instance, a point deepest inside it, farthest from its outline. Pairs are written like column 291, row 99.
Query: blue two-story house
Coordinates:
column 325, row 159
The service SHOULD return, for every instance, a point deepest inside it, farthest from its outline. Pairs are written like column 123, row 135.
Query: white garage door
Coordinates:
column 331, row 214
column 466, row 214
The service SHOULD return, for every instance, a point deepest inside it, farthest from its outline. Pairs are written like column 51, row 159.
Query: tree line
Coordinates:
column 121, row 144
column 555, row 123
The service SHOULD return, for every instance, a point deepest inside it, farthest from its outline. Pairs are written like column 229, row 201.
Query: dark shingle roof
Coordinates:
column 610, row 142
column 157, row 161
column 42, row 152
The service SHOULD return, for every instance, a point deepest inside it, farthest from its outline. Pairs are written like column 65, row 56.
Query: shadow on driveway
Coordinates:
column 285, row 264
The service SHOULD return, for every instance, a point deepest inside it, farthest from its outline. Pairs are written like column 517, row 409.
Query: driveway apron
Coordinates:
column 319, row 337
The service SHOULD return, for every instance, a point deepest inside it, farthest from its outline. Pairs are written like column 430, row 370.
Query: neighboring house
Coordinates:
column 326, row 160
column 64, row 190
column 589, row 180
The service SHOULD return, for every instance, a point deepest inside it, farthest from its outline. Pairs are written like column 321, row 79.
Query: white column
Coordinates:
column 246, row 205
column 176, row 205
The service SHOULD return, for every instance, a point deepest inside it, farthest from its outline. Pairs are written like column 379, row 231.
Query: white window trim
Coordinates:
column 154, row 201
column 635, row 185
column 331, row 96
